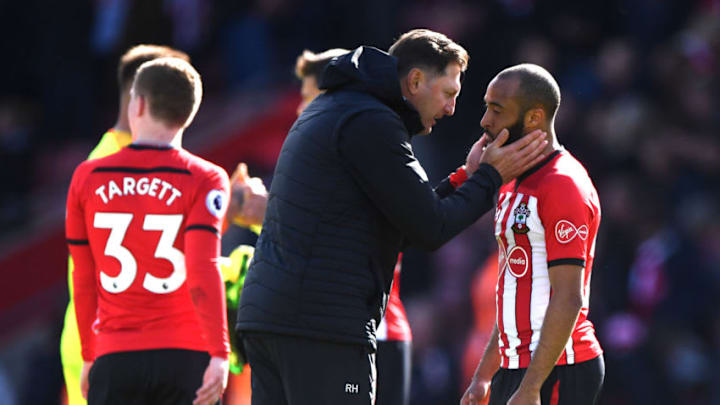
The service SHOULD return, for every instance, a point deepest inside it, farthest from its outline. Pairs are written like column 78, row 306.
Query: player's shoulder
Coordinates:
column 566, row 170
column 89, row 165
column 565, row 175
column 201, row 167
column 119, row 158
column 111, row 142
column 106, row 146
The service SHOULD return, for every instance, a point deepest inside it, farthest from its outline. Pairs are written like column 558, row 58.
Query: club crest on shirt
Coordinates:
column 521, row 215
column 215, row 202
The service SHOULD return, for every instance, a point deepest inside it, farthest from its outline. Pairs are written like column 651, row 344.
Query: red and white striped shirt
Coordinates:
column 546, row 217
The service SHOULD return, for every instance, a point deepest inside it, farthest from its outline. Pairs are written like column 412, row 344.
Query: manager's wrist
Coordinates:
column 491, row 173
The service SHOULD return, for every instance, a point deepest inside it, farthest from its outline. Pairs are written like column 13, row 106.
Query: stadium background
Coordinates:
column 641, row 109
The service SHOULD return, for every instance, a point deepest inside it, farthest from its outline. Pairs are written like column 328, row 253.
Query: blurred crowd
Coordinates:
column 640, row 108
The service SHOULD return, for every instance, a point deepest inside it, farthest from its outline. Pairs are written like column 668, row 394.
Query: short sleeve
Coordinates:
column 210, row 205
column 567, row 218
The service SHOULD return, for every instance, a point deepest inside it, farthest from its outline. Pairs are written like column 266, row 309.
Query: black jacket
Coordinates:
column 347, row 192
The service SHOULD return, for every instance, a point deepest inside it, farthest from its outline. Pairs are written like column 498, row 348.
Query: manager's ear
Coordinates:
column 414, row 79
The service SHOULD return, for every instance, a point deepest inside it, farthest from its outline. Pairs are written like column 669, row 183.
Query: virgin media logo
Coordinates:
column 515, row 261
column 566, row 231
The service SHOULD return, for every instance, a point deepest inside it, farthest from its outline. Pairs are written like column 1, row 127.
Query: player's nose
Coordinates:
column 484, row 121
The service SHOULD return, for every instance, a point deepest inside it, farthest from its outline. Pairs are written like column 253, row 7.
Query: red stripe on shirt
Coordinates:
column 522, row 298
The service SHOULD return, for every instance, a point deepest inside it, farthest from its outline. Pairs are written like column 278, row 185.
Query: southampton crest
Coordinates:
column 521, row 215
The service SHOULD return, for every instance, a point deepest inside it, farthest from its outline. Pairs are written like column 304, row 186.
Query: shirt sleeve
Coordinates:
column 210, row 204
column 567, row 217
column 202, row 251
column 83, row 275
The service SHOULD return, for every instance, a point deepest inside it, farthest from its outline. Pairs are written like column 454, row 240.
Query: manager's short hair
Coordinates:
column 428, row 50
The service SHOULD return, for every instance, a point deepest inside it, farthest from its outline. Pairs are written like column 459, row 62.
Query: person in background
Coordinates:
column 112, row 141
column 248, row 214
column 143, row 226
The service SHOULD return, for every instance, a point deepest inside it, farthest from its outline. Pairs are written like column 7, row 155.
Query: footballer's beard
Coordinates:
column 515, row 131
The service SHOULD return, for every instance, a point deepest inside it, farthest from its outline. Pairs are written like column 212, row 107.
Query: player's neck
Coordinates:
column 175, row 142
column 551, row 138
column 159, row 135
column 553, row 143
column 122, row 123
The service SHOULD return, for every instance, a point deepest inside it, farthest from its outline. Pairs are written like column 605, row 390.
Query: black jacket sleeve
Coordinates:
column 377, row 151
column 445, row 188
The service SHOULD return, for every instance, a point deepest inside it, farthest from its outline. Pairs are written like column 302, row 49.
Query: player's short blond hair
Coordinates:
column 172, row 88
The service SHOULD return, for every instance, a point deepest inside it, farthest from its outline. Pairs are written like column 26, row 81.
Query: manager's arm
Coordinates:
column 377, row 151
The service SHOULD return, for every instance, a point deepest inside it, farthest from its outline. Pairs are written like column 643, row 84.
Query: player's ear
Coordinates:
column 134, row 108
column 534, row 118
column 141, row 105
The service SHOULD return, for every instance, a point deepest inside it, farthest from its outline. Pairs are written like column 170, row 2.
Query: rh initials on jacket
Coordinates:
column 548, row 216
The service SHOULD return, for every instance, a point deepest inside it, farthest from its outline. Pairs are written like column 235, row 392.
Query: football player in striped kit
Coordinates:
column 543, row 349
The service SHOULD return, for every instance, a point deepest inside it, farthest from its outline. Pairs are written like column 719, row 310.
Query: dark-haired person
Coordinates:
column 543, row 349
column 346, row 195
column 143, row 227
column 112, row 141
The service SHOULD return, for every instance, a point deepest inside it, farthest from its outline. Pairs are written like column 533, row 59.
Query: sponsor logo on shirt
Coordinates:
column 516, row 261
column 566, row 231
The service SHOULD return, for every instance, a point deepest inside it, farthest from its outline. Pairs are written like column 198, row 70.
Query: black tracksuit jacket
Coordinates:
column 346, row 195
